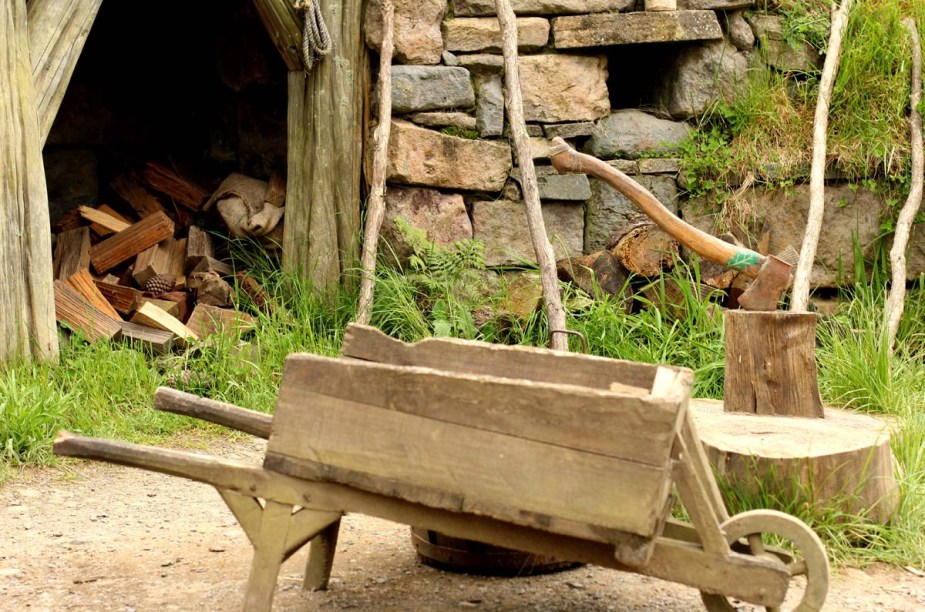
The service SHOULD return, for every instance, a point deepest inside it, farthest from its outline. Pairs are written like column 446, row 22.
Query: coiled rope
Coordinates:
column 316, row 41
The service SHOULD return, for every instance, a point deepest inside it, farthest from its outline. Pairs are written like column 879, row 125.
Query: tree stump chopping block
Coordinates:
column 642, row 247
column 771, row 364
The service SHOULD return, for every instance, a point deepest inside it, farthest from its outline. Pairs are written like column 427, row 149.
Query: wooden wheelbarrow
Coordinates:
column 576, row 457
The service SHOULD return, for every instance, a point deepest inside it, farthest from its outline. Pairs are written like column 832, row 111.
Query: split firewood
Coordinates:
column 104, row 222
column 154, row 261
column 182, row 300
column 198, row 246
column 152, row 316
column 129, row 188
column 124, row 299
column 171, row 308
column 255, row 292
column 207, row 320
column 643, row 248
column 72, row 252
column 130, row 242
column 174, row 185
column 156, row 340
column 74, row 310
column 101, row 231
column 595, row 273
column 71, row 220
column 83, row 284
column 210, row 288
column 208, row 264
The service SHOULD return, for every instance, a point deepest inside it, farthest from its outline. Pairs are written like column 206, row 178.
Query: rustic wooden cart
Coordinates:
column 566, row 455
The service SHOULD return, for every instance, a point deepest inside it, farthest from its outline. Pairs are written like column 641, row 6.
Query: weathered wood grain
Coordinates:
column 178, row 402
column 83, row 283
column 73, row 309
column 72, row 252
column 174, row 185
column 326, row 135
column 284, row 26
column 207, row 320
column 107, row 222
column 130, row 242
column 27, row 303
column 124, row 299
column 130, row 189
column 157, row 341
column 58, row 30
column 523, row 362
column 152, row 316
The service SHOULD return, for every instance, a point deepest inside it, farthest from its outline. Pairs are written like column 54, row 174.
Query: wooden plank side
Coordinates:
column 640, row 429
column 456, row 467
column 526, row 362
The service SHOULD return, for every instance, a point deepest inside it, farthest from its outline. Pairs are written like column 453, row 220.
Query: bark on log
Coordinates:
column 376, row 210
column 595, row 273
column 896, row 300
column 326, row 127
column 800, row 296
column 555, row 314
column 58, row 30
column 771, row 364
column 27, row 323
column 643, row 248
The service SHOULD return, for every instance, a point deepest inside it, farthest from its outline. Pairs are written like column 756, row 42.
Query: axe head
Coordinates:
column 769, row 284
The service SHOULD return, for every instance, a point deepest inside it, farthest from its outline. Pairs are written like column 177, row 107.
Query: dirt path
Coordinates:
column 99, row 537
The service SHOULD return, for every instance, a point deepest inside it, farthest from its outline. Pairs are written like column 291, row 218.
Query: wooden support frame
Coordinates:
column 27, row 325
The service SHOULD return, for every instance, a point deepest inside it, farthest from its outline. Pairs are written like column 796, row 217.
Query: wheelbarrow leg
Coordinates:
column 321, row 558
column 269, row 553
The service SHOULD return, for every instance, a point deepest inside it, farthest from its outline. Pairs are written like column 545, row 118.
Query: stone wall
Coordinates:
column 615, row 81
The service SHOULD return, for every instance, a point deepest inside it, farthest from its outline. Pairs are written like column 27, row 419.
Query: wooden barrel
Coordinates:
column 471, row 557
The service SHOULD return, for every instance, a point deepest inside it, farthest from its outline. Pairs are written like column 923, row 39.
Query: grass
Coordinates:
column 105, row 390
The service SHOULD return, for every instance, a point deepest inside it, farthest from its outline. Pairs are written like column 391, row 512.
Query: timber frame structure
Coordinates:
column 40, row 43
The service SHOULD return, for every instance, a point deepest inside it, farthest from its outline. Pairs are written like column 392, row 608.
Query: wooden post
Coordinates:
column 771, row 365
column 58, row 30
column 326, row 133
column 27, row 322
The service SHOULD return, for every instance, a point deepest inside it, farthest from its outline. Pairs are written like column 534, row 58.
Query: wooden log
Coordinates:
column 643, row 248
column 103, row 231
column 158, row 259
column 152, row 316
column 168, row 306
column 83, row 284
column 130, row 242
column 155, row 340
column 842, row 462
column 108, row 223
column 130, row 189
column 284, row 26
column 80, row 315
column 771, row 364
column 58, row 30
column 72, row 252
column 27, row 303
column 124, row 299
column 178, row 402
column 596, row 273
column 326, row 134
column 198, row 246
column 207, row 320
column 71, row 220
column 174, row 185
column 210, row 288
column 182, row 299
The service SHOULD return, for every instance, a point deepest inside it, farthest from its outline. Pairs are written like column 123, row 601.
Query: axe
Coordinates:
column 771, row 275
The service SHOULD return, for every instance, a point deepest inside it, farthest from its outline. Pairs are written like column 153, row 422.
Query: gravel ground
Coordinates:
column 90, row 536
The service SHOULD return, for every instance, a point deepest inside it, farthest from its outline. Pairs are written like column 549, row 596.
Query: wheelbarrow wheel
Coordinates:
column 746, row 532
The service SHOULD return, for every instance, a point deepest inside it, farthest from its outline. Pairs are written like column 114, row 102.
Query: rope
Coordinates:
column 316, row 41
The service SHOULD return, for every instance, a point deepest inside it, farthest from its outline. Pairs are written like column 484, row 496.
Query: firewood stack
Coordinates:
column 148, row 276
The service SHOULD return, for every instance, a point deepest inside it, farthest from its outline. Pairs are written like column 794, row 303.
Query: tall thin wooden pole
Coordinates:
column 555, row 314
column 321, row 233
column 376, row 209
column 800, row 299
column 896, row 300
column 27, row 312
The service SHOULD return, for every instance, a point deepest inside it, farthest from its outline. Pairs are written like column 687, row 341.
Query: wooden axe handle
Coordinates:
column 565, row 159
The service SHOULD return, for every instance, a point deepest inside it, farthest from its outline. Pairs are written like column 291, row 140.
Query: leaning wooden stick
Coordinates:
column 376, row 210
column 897, row 297
column 555, row 314
column 800, row 298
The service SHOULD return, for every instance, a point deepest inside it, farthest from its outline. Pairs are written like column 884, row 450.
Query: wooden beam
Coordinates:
column 27, row 325
column 326, row 134
column 284, row 26
column 58, row 30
